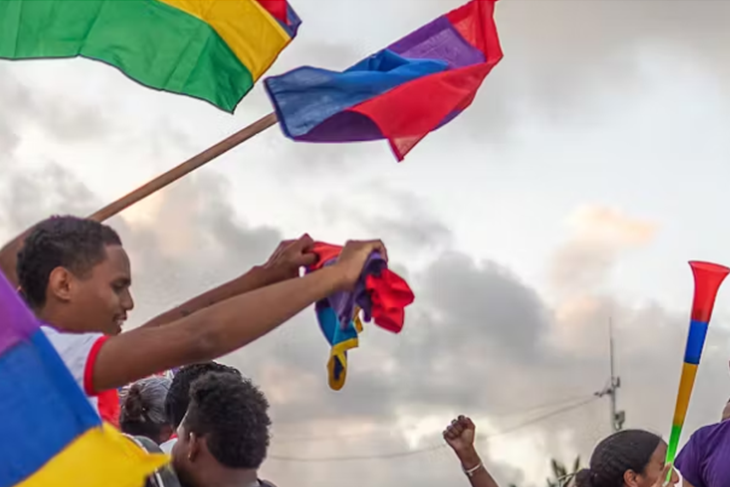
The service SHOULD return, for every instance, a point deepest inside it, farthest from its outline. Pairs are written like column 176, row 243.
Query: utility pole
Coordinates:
column 617, row 417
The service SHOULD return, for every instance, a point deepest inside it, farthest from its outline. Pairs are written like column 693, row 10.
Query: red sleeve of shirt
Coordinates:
column 90, row 364
column 108, row 401
column 109, row 407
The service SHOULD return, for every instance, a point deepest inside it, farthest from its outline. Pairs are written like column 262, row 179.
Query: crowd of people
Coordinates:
column 212, row 420
column 75, row 275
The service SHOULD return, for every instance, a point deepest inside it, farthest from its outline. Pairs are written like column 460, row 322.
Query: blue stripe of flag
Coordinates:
column 42, row 410
column 329, row 92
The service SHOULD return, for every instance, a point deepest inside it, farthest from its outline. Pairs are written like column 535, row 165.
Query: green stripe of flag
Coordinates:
column 151, row 42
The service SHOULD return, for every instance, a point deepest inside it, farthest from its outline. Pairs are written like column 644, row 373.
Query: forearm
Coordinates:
column 211, row 332
column 234, row 323
column 481, row 477
column 256, row 278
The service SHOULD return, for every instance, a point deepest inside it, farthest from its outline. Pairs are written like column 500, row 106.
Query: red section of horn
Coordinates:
column 708, row 278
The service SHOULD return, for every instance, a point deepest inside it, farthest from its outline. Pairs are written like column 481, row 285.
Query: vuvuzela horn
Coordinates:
column 708, row 277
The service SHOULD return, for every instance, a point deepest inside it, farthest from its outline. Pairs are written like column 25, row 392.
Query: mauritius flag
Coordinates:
column 213, row 50
column 401, row 93
column 50, row 435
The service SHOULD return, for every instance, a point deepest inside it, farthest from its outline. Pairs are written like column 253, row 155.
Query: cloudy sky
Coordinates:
column 590, row 169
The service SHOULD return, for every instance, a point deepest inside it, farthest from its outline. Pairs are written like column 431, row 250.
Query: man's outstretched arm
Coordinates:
column 284, row 263
column 224, row 327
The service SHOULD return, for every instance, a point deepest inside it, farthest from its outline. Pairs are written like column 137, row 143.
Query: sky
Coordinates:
column 589, row 170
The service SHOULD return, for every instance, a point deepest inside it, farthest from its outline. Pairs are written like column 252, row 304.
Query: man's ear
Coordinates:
column 194, row 446
column 60, row 282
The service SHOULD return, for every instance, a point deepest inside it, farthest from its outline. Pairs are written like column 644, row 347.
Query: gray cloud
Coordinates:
column 31, row 195
column 406, row 223
column 58, row 118
column 563, row 56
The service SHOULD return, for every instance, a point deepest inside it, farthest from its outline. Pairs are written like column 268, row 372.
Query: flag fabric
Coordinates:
column 51, row 435
column 401, row 93
column 212, row 50
column 380, row 294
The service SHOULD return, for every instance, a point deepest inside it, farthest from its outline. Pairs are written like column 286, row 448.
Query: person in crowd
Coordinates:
column 178, row 397
column 705, row 459
column 143, row 410
column 460, row 436
column 224, row 437
column 75, row 275
column 628, row 458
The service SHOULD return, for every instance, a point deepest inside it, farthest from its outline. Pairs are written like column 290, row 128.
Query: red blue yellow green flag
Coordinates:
column 213, row 50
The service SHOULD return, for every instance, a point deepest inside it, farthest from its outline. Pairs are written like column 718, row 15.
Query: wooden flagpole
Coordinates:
column 185, row 168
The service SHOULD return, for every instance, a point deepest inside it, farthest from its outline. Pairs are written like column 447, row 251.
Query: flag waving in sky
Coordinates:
column 211, row 50
column 51, row 435
column 401, row 93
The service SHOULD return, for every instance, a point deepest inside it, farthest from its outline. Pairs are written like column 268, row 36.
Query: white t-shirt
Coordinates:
column 78, row 351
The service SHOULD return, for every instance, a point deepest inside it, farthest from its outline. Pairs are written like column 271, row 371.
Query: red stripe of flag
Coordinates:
column 277, row 8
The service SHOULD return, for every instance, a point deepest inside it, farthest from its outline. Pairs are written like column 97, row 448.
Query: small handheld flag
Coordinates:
column 380, row 294
column 708, row 278
column 402, row 93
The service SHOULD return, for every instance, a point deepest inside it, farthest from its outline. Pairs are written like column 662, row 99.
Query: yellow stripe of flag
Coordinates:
column 254, row 36
column 101, row 456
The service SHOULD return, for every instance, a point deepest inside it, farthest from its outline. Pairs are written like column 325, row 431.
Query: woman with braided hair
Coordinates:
column 143, row 420
column 630, row 458
column 143, row 409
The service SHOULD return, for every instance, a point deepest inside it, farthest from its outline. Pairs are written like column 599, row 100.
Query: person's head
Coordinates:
column 726, row 412
column 225, row 433
column 74, row 273
column 178, row 397
column 143, row 410
column 631, row 458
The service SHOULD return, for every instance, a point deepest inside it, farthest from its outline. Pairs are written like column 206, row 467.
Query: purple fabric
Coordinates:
column 439, row 40
column 705, row 459
column 343, row 303
column 16, row 321
column 344, row 127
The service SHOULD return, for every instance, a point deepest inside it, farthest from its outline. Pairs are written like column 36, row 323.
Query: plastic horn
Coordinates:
column 708, row 278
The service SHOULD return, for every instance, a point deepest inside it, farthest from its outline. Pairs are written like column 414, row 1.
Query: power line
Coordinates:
column 541, row 418
column 408, row 453
column 319, row 438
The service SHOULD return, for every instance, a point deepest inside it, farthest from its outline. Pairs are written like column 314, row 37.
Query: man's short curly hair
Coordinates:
column 231, row 413
column 178, row 397
column 78, row 244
